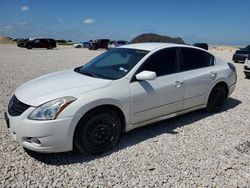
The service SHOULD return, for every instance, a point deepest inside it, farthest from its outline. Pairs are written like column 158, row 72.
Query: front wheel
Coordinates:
column 216, row 99
column 98, row 132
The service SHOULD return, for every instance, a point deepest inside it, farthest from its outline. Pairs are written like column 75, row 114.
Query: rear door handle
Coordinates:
column 178, row 84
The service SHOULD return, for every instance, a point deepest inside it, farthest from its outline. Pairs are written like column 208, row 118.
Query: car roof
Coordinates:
column 151, row 46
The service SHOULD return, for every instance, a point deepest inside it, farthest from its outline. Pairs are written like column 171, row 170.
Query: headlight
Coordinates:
column 50, row 110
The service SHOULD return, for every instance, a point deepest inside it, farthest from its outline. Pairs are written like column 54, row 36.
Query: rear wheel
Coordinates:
column 49, row 47
column 217, row 98
column 98, row 132
column 29, row 47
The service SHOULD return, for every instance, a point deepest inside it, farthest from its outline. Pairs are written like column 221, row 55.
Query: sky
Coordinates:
column 213, row 21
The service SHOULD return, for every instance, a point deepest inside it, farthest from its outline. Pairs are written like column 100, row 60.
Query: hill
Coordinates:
column 6, row 40
column 151, row 37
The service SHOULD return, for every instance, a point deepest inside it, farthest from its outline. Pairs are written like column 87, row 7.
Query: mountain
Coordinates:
column 151, row 37
column 6, row 40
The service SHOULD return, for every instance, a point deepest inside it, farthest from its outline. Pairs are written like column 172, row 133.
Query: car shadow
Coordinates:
column 131, row 138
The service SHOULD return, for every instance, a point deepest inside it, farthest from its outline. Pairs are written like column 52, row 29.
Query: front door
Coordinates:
column 151, row 99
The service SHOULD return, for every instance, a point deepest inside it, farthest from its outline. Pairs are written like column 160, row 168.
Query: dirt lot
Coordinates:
column 194, row 150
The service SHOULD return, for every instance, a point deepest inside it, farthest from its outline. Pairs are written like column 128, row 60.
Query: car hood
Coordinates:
column 56, row 85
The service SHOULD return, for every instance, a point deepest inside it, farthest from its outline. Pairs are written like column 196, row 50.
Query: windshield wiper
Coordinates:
column 85, row 73
column 89, row 74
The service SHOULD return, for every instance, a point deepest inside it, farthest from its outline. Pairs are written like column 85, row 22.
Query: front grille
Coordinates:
column 16, row 107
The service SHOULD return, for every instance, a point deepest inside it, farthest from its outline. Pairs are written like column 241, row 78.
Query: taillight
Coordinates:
column 232, row 67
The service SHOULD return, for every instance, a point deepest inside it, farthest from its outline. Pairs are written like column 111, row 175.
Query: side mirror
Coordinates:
column 146, row 75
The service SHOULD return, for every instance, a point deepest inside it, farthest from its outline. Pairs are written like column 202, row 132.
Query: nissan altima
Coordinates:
column 124, row 88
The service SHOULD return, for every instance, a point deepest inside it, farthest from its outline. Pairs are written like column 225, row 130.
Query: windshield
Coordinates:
column 247, row 48
column 112, row 64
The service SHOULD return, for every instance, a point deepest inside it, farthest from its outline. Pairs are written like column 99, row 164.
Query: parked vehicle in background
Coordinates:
column 99, row 43
column 241, row 55
column 81, row 45
column 121, row 89
column 78, row 45
column 40, row 43
column 85, row 44
column 114, row 44
column 201, row 45
column 21, row 42
column 247, row 67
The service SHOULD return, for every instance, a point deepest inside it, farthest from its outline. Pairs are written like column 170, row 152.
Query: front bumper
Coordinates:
column 247, row 68
column 41, row 136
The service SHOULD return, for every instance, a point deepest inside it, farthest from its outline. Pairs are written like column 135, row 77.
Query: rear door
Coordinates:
column 44, row 43
column 198, row 73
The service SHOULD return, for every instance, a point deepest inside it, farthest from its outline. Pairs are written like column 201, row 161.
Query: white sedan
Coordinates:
column 122, row 89
column 78, row 45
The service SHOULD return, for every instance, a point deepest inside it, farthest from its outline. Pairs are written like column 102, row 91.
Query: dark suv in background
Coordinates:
column 242, row 54
column 40, row 43
column 99, row 43
column 201, row 45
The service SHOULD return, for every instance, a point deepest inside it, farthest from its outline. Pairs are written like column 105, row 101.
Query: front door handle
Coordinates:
column 213, row 74
column 178, row 84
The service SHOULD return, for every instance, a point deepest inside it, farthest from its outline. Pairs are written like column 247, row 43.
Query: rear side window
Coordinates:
column 51, row 40
column 43, row 40
column 163, row 62
column 195, row 59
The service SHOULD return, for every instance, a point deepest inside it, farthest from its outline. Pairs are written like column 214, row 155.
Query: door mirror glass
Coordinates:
column 146, row 75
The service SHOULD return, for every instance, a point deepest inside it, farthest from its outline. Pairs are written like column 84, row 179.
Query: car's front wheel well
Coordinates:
column 114, row 108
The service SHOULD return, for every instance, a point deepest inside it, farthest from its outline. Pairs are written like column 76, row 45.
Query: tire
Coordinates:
column 97, row 132
column 90, row 47
column 49, row 47
column 247, row 74
column 29, row 47
column 216, row 99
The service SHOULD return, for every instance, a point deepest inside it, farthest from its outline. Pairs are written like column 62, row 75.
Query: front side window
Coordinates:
column 36, row 41
column 195, row 59
column 163, row 62
column 112, row 64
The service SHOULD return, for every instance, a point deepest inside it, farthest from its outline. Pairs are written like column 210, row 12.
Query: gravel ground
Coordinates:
column 193, row 150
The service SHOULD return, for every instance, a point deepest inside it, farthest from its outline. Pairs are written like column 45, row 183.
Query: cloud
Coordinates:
column 8, row 26
column 22, row 23
column 24, row 8
column 88, row 21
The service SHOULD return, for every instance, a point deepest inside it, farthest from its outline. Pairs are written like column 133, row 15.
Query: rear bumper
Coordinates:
column 231, row 89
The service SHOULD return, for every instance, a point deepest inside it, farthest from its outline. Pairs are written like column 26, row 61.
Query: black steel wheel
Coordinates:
column 217, row 98
column 98, row 132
